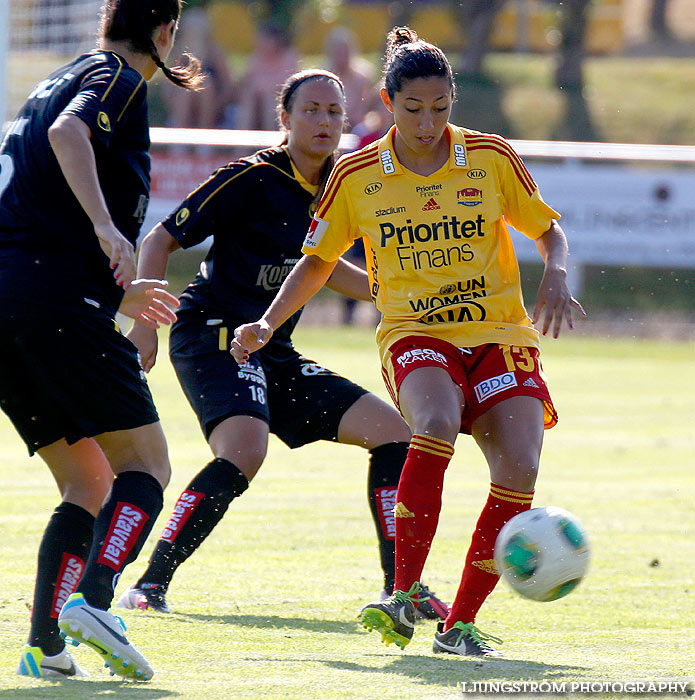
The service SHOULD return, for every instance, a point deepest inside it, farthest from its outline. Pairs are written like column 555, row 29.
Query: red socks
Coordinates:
column 418, row 503
column 479, row 573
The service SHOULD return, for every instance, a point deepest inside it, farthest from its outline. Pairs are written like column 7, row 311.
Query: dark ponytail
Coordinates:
column 284, row 103
column 135, row 20
column 407, row 57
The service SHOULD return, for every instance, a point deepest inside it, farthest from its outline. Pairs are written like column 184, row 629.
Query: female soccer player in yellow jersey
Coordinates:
column 459, row 352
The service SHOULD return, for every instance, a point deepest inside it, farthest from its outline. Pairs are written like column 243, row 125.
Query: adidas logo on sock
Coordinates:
column 530, row 382
column 400, row 511
column 431, row 204
column 486, row 565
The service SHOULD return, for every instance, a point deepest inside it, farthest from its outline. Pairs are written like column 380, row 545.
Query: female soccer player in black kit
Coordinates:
column 74, row 184
column 258, row 209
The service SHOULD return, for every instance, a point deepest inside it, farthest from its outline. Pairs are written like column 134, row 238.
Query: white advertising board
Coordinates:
column 620, row 214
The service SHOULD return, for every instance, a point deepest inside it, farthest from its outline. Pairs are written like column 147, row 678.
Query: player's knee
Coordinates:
column 158, row 467
column 162, row 472
column 516, row 472
column 394, row 429
column 441, row 425
column 89, row 496
column 247, row 458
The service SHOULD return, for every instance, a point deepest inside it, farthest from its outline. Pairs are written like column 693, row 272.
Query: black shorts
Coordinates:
column 69, row 376
column 301, row 401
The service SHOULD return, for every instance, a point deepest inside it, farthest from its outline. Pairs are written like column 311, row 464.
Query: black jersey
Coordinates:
column 258, row 214
column 44, row 232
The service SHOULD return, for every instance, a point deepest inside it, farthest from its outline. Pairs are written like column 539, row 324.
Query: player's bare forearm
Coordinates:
column 554, row 301
column 350, row 280
column 307, row 277
column 155, row 249
column 552, row 246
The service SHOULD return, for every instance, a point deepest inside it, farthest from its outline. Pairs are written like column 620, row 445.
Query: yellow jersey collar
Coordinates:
column 458, row 157
column 311, row 189
column 387, row 155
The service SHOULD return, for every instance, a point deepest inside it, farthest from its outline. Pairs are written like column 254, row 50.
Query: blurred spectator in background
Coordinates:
column 273, row 60
column 574, row 15
column 210, row 107
column 374, row 125
column 342, row 58
column 577, row 123
column 657, row 21
column 476, row 18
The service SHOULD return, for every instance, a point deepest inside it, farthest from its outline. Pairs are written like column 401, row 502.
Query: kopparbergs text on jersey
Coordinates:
column 272, row 276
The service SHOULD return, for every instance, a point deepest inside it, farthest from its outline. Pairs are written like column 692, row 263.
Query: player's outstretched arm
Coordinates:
column 153, row 259
column 350, row 280
column 308, row 276
column 554, row 301
column 70, row 140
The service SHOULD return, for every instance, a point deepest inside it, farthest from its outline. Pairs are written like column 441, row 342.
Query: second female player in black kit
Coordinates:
column 257, row 210
column 74, row 184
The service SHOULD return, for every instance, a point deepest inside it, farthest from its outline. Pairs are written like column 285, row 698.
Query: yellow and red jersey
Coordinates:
column 439, row 255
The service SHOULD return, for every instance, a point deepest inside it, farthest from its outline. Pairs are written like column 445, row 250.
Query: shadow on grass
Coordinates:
column 431, row 669
column 277, row 622
column 87, row 690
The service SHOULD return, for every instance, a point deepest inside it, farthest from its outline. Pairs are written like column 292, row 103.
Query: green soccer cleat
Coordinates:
column 393, row 617
column 35, row 664
column 464, row 640
column 103, row 632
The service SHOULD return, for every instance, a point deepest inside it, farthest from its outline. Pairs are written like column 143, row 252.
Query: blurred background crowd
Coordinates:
column 525, row 68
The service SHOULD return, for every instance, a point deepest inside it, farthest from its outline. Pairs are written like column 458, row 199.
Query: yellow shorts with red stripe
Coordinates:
column 486, row 374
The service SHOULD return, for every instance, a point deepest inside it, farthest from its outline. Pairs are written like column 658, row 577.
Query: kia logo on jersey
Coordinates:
column 476, row 174
column 372, row 188
column 470, row 197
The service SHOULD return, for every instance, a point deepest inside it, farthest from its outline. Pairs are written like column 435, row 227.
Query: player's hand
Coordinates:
column 146, row 341
column 120, row 253
column 554, row 302
column 148, row 302
column 249, row 338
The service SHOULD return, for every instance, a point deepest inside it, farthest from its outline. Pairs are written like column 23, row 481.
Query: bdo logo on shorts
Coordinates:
column 494, row 385
column 420, row 355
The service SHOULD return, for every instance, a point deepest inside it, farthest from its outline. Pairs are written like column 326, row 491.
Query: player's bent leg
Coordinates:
column 419, row 495
column 81, row 471
column 241, row 440
column 371, row 422
column 431, row 403
column 142, row 449
column 84, row 478
column 139, row 458
column 510, row 435
column 204, row 502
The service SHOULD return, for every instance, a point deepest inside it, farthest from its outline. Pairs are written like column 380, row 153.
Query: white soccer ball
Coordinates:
column 542, row 553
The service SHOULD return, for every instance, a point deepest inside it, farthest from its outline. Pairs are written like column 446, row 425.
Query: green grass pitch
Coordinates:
column 267, row 607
